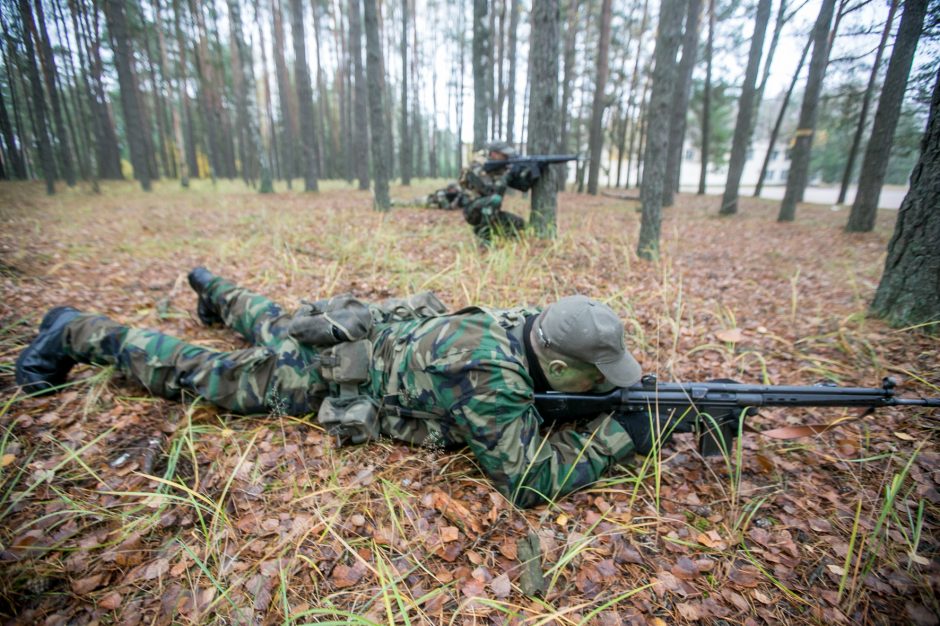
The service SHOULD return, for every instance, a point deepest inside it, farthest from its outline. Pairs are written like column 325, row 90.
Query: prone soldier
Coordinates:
column 449, row 198
column 405, row 369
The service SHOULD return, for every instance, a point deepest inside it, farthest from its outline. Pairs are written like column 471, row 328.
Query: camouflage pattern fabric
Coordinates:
column 441, row 381
column 484, row 210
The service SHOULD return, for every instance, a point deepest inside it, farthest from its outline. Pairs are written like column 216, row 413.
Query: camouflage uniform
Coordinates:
column 445, row 380
column 484, row 209
column 448, row 198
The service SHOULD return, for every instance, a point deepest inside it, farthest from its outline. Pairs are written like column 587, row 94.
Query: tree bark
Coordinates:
column 783, row 109
column 288, row 128
column 134, row 123
column 543, row 111
column 680, row 101
column 744, row 124
column 481, row 68
column 570, row 48
column 13, row 152
column 50, row 75
column 360, row 118
column 511, row 84
column 799, row 155
column 596, row 138
column 706, row 99
column 657, row 134
column 174, row 100
column 41, row 130
column 375, row 71
column 909, row 291
column 405, row 139
column 308, row 138
column 875, row 164
column 866, row 102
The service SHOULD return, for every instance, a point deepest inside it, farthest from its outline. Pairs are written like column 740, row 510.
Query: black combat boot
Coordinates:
column 43, row 364
column 208, row 312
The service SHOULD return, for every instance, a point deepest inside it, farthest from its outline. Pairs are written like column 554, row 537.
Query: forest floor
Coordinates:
column 119, row 508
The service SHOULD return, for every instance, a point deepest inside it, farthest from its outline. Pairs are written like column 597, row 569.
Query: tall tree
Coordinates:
column 743, row 127
column 308, row 137
column 803, row 141
column 404, row 152
column 13, row 156
column 482, row 73
column 680, row 100
column 136, row 126
column 543, row 110
column 657, row 133
column 175, row 100
column 775, row 132
column 360, row 119
column 50, row 74
column 909, row 291
column 706, row 98
column 875, row 164
column 375, row 71
column 88, row 33
column 567, row 81
column 866, row 102
column 40, row 126
column 511, row 84
column 596, row 138
column 288, row 128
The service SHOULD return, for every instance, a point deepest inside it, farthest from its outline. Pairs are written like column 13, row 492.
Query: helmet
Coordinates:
column 502, row 147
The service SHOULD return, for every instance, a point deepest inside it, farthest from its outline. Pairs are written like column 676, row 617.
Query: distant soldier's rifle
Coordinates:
column 715, row 409
column 538, row 160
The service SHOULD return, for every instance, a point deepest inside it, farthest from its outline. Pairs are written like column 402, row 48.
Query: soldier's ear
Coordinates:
column 557, row 367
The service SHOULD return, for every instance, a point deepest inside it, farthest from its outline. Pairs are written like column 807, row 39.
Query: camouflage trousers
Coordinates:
column 277, row 375
column 488, row 219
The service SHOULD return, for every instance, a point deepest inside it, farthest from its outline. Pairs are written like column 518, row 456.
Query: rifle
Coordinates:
column 541, row 161
column 716, row 408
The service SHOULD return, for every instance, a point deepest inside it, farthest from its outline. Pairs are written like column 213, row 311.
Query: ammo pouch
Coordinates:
column 352, row 417
column 417, row 306
column 328, row 322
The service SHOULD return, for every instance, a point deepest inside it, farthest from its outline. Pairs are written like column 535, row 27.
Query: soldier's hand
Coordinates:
column 646, row 427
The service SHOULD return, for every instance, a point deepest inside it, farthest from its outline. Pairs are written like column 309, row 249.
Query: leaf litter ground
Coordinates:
column 119, row 508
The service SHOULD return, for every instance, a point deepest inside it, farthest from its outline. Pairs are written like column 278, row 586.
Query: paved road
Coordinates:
column 891, row 196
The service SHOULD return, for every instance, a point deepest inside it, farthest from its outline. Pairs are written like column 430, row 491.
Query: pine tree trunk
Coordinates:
column 909, row 292
column 780, row 116
column 706, row 99
column 570, row 48
column 40, row 125
column 481, row 69
column 308, row 138
column 665, row 75
column 50, row 75
column 405, row 139
column 543, row 111
column 596, row 137
column 89, row 44
column 875, row 164
column 13, row 154
column 511, row 84
column 866, row 102
column 130, row 98
column 375, row 72
column 288, row 130
column 181, row 164
column 744, row 124
column 360, row 97
column 680, row 101
column 803, row 143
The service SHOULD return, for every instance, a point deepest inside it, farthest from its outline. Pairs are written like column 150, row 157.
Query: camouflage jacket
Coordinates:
column 480, row 183
column 463, row 379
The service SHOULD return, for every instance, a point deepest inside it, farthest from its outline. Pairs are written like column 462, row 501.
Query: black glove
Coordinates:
column 643, row 429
